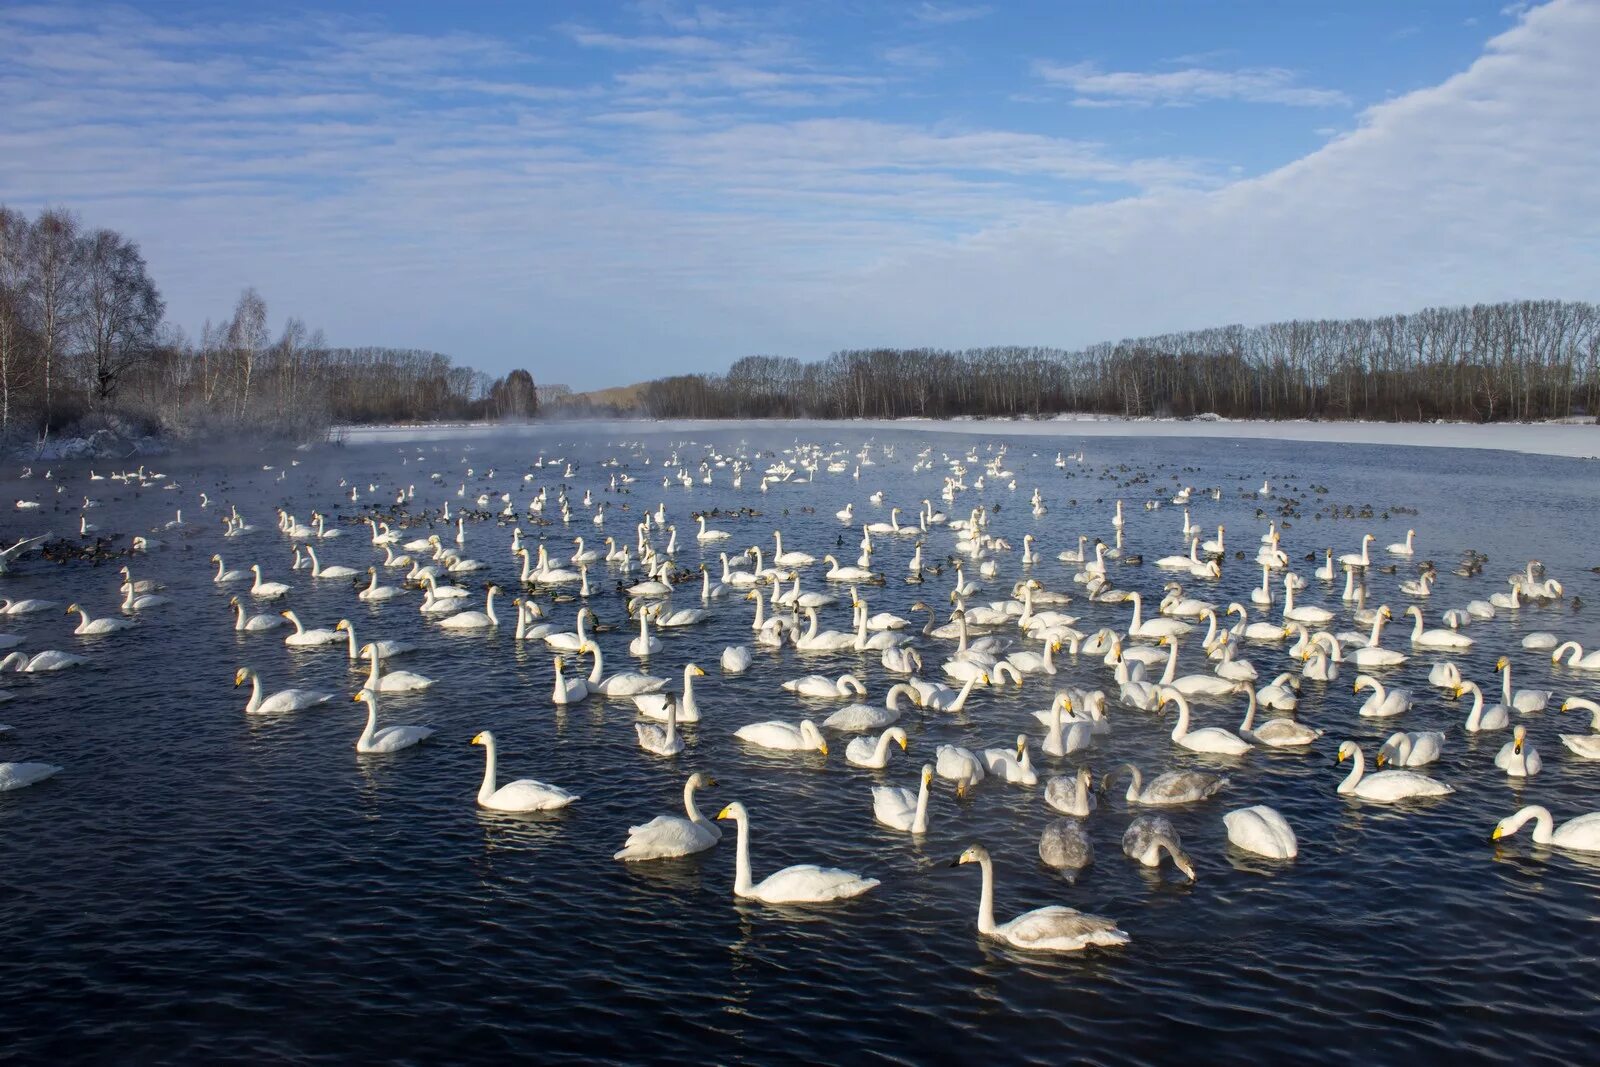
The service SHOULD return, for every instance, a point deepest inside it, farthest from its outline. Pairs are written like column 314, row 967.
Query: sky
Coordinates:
column 606, row 193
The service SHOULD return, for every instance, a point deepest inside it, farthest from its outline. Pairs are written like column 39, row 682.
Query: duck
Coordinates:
column 804, row 883
column 655, row 705
column 1262, row 830
column 1518, row 758
column 1579, row 834
column 1527, row 701
column 281, row 701
column 1587, row 745
column 1050, row 929
column 1481, row 719
column 524, row 794
column 1148, row 836
column 783, row 736
column 1210, row 739
column 391, row 738
column 1385, row 787
column 900, row 809
column 1411, row 750
column 672, row 836
column 1169, row 788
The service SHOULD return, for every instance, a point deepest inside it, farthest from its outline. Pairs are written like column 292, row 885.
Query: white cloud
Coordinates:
column 948, row 14
column 1192, row 85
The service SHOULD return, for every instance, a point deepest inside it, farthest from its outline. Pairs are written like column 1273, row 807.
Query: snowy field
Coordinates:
column 1579, row 440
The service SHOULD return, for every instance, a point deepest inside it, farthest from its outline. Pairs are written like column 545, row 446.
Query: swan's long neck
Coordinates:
column 349, row 631
column 741, row 862
column 1182, row 726
column 689, row 807
column 598, row 670
column 1544, row 823
column 1250, row 711
column 1416, row 631
column 1505, row 686
column 986, row 898
column 486, row 790
column 1138, row 614
column 966, row 691
column 239, row 620
column 1136, row 784
column 488, row 607
column 255, row 692
column 1053, row 738
column 919, row 822
column 372, row 719
column 884, row 741
column 219, row 568
column 375, row 670
column 1171, row 673
column 688, row 692
column 1476, row 714
column 1357, row 769
column 892, row 701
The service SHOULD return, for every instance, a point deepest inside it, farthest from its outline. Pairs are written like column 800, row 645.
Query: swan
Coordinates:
column 666, row 620
column 903, row 809
column 1411, row 750
column 304, row 638
column 816, row 685
column 19, row 775
column 1539, row 641
column 1210, row 739
column 1584, row 745
column 1406, row 547
column 801, row 884
column 1148, row 836
column 1014, row 768
column 1372, row 654
column 1578, row 834
column 1071, row 795
column 568, row 690
column 837, row 573
column 1577, row 659
column 133, row 602
column 1524, row 700
column 780, row 558
column 319, row 571
column 946, row 699
column 1435, row 638
column 1139, row 627
column 266, row 590
column 1051, row 929
column 736, row 659
column 671, row 836
column 390, row 738
column 874, row 752
column 1325, row 570
column 1262, row 830
column 394, row 681
column 48, row 660
column 1310, row 615
column 525, row 794
column 960, row 766
column 1362, row 558
column 644, row 645
column 570, row 640
column 357, row 650
column 1383, row 703
column 1480, row 719
column 620, row 684
column 1279, row 694
column 901, row 660
column 225, row 576
column 87, row 626
column 783, row 736
column 475, row 620
column 1064, row 844
column 654, row 705
column 1518, row 758
column 254, row 623
column 1172, row 787
column 281, row 701
column 856, row 718
column 1060, row 741
column 1445, row 675
column 376, row 592
column 1385, row 787
column 1274, row 733
column 661, row 740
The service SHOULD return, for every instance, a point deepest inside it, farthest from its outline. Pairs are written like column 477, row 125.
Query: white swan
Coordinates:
column 874, row 752
column 736, row 659
column 803, row 883
column 817, row 685
column 1015, row 768
column 1577, row 659
column 903, row 809
column 525, row 794
column 671, row 836
column 622, row 683
column 319, row 571
column 1584, row 745
column 254, row 623
column 1411, row 750
column 1518, row 758
column 304, row 638
column 1385, row 787
column 1063, row 738
column 1524, row 700
column 1051, row 929
column 661, row 740
column 784, row 736
column 1274, row 733
column 1211, row 739
column 567, row 690
column 1262, row 830
column 88, row 627
column 959, row 765
column 19, row 775
column 376, row 592
column 1148, row 836
column 1169, row 788
column 644, row 645
column 266, row 590
column 857, row 718
column 281, row 701
column 1435, row 638
column 1383, row 703
column 475, row 620
column 1480, row 719
column 393, row 681
column 358, row 650
column 1072, row 795
column 1406, row 547
column 224, row 576
column 1578, row 834
column 654, row 705
column 390, row 738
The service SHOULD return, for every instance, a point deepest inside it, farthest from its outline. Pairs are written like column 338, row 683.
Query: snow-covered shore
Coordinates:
column 1575, row 439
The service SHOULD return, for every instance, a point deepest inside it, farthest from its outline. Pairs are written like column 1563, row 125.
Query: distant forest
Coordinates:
column 1531, row 359
column 84, row 344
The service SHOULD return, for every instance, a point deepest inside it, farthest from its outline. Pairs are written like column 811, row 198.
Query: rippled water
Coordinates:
column 204, row 885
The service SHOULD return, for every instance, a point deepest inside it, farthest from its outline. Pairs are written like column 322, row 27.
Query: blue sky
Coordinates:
column 606, row 193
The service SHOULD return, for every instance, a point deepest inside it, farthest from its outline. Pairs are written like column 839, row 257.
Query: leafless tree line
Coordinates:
column 1522, row 360
column 82, row 333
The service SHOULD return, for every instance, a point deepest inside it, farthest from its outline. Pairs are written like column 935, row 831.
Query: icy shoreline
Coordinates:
column 1579, row 440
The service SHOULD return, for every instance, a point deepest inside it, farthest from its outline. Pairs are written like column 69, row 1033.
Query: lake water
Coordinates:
column 198, row 884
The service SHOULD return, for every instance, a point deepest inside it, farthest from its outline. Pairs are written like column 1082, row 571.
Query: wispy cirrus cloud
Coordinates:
column 948, row 14
column 1184, row 88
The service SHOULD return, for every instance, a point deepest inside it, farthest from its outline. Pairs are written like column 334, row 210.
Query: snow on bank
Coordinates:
column 102, row 444
column 1566, row 438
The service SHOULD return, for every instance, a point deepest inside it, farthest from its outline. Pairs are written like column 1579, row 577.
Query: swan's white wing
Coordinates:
column 893, row 806
column 17, row 775
column 1059, row 929
column 526, row 794
column 808, row 882
column 665, row 836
